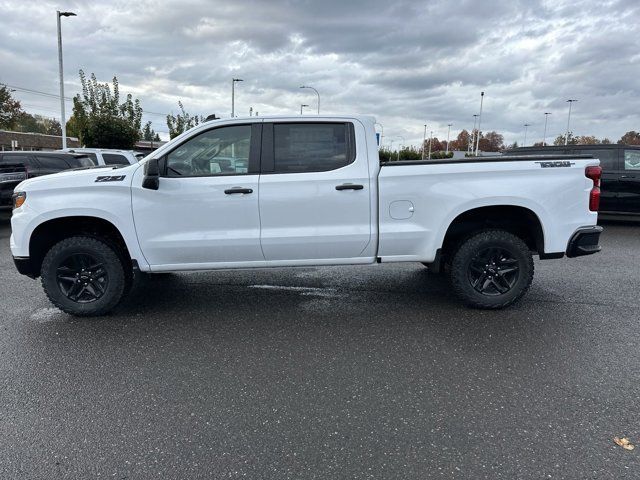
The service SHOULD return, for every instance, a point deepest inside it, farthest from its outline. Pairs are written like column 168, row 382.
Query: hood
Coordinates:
column 80, row 176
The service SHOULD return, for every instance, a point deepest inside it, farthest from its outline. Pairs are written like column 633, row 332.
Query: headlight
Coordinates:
column 18, row 199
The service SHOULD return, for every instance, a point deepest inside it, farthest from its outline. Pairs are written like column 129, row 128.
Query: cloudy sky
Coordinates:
column 406, row 62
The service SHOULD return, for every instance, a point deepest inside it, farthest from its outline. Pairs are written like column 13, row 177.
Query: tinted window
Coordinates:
column 221, row 151
column 608, row 157
column 114, row 159
column 312, row 147
column 92, row 156
column 632, row 159
column 53, row 163
column 83, row 160
column 8, row 158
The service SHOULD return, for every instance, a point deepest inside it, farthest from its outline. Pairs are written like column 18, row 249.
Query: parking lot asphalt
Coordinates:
column 333, row 372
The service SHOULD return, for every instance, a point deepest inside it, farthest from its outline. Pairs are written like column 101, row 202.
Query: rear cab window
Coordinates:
column 632, row 159
column 114, row 159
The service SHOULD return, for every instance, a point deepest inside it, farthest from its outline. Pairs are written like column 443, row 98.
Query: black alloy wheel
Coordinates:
column 493, row 271
column 82, row 278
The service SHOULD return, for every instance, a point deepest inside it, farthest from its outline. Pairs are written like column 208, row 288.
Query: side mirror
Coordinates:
column 151, row 179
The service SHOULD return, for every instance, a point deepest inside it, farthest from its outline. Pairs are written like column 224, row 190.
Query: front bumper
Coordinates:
column 584, row 241
column 24, row 266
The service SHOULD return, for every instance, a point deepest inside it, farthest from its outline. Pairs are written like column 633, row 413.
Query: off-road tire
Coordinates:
column 472, row 252
column 103, row 253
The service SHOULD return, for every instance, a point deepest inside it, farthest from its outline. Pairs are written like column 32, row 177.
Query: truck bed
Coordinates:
column 418, row 200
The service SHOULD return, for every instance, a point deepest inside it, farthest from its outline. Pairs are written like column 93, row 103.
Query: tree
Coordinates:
column 182, row 122
column 96, row 104
column 10, row 109
column 605, row 141
column 149, row 133
column 106, row 131
column 630, row 138
column 494, row 142
column 461, row 142
column 38, row 124
column 559, row 141
column 587, row 140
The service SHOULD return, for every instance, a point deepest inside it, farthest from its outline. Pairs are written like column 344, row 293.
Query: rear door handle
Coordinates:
column 231, row 191
column 349, row 186
column 627, row 177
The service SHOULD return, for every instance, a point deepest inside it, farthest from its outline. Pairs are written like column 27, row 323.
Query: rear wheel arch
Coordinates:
column 517, row 220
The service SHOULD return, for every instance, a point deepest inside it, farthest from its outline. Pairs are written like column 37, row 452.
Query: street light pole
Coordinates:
column 544, row 136
column 479, row 123
column 63, row 122
column 233, row 95
column 448, row 134
column 473, row 135
column 403, row 142
column 302, row 105
column 424, row 140
column 566, row 138
column 311, row 88
column 526, row 125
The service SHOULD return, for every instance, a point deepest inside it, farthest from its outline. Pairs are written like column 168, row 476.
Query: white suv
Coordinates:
column 108, row 156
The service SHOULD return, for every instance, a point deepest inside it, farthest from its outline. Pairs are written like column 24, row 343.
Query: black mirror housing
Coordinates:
column 151, row 179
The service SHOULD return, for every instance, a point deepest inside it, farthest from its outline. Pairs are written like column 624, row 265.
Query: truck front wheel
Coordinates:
column 83, row 276
column 491, row 269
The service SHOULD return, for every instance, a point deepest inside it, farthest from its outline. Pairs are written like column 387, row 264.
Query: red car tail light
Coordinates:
column 594, row 173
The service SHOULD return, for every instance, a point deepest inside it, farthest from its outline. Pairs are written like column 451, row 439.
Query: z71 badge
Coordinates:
column 110, row 178
column 556, row 163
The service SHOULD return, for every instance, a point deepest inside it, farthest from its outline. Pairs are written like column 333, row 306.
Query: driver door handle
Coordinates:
column 231, row 191
column 349, row 186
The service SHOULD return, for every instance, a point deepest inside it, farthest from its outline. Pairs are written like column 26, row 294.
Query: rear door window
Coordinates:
column 312, row 147
column 57, row 162
column 114, row 159
column 8, row 158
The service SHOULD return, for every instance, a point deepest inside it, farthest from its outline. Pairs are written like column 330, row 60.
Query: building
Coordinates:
column 10, row 140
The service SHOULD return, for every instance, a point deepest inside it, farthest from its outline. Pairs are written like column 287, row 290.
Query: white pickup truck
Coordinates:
column 299, row 191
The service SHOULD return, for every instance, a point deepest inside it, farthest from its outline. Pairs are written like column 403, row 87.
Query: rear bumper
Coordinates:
column 23, row 265
column 584, row 241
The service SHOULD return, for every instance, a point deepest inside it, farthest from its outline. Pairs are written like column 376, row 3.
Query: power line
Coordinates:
column 68, row 99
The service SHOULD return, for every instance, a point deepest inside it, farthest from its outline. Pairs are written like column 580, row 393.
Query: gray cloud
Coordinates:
column 407, row 62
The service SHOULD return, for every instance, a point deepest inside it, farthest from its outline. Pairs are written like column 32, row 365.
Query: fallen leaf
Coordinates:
column 624, row 443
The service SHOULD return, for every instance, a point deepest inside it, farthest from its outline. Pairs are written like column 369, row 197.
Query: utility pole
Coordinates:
column 544, row 136
column 566, row 137
column 479, row 123
column 448, row 134
column 63, row 120
column 233, row 95
column 424, row 140
column 526, row 125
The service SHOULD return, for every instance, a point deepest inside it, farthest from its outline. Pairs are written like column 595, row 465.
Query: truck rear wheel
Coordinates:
column 83, row 276
column 491, row 269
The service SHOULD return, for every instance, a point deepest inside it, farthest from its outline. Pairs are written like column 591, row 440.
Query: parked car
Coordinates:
column 18, row 166
column 620, row 190
column 108, row 156
column 292, row 191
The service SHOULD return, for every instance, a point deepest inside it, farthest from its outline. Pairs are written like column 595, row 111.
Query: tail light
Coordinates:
column 594, row 173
